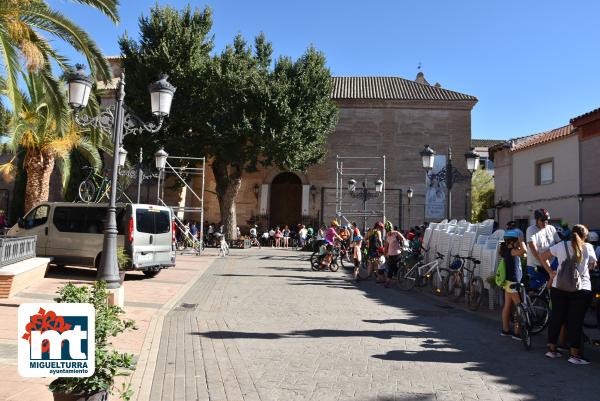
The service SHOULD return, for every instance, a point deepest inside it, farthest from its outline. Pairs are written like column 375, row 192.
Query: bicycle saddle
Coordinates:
column 515, row 286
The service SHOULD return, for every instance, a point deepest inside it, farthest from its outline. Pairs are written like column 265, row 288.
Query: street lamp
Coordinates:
column 119, row 121
column 409, row 195
column 448, row 174
column 161, row 158
column 365, row 195
column 122, row 156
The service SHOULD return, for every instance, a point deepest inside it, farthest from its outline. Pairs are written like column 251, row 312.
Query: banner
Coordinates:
column 436, row 191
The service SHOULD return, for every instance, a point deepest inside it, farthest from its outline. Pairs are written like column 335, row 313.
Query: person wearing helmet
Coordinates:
column 331, row 234
column 540, row 237
column 394, row 242
column 511, row 250
column 357, row 255
column 381, row 265
column 374, row 242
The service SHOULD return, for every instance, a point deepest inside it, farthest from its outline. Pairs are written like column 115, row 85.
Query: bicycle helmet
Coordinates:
column 357, row 238
column 335, row 223
column 541, row 214
column 388, row 226
column 381, row 249
column 457, row 264
column 511, row 234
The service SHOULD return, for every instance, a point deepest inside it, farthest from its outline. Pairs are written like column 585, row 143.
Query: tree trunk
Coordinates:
column 228, row 184
column 39, row 167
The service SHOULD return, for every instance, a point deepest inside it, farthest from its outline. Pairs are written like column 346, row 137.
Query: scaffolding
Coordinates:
column 361, row 169
column 181, row 168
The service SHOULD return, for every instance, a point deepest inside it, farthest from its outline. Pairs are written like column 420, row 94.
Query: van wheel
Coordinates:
column 151, row 273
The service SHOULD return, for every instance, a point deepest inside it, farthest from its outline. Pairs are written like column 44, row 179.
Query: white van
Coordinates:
column 72, row 233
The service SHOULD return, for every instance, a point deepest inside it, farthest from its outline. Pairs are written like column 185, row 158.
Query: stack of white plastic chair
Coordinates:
column 443, row 244
column 456, row 240
column 478, row 246
column 435, row 233
column 466, row 243
column 489, row 255
column 486, row 227
column 453, row 222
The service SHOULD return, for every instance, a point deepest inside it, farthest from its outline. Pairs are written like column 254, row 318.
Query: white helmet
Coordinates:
column 593, row 237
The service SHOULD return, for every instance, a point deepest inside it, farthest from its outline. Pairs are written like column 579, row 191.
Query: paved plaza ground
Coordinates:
column 260, row 325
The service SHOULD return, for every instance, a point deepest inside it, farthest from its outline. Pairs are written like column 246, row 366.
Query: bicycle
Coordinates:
column 315, row 260
column 96, row 187
column 409, row 277
column 523, row 315
column 456, row 282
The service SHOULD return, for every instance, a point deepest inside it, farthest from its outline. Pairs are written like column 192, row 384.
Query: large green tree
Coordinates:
column 237, row 107
column 482, row 194
column 24, row 27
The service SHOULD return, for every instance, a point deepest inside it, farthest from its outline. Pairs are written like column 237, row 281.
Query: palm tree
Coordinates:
column 23, row 24
column 42, row 140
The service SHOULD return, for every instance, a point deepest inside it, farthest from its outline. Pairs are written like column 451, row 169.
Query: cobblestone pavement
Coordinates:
column 260, row 325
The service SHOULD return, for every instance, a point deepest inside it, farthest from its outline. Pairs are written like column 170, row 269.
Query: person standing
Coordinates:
column 569, row 307
column 511, row 250
column 286, row 236
column 302, row 235
column 392, row 250
column 540, row 237
column 374, row 242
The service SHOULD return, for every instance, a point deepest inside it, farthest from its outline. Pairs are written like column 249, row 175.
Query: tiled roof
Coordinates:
column 391, row 88
column 574, row 119
column 485, row 143
column 543, row 137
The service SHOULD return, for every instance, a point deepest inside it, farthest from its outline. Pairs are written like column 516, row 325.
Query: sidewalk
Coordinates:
column 146, row 301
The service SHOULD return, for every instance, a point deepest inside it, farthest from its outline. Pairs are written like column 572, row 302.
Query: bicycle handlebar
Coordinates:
column 470, row 258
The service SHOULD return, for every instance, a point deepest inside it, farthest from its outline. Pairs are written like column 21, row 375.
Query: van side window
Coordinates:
column 152, row 221
column 87, row 220
column 36, row 217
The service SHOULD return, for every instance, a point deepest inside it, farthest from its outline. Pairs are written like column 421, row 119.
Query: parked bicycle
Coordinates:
column 462, row 280
column 95, row 187
column 421, row 273
column 523, row 316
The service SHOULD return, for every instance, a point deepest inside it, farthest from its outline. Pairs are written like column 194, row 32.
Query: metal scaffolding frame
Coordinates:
column 350, row 167
column 184, row 166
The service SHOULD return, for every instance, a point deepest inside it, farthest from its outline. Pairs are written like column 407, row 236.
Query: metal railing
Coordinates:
column 16, row 249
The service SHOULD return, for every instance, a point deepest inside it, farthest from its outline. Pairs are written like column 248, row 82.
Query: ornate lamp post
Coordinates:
column 409, row 195
column 364, row 194
column 139, row 172
column 120, row 122
column 449, row 174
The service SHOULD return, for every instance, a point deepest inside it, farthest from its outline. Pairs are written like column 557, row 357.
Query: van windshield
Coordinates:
column 152, row 221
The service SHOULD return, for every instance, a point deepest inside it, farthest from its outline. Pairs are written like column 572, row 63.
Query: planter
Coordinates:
column 122, row 276
column 101, row 396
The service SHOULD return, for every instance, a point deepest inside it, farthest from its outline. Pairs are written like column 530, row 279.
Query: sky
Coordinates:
column 533, row 65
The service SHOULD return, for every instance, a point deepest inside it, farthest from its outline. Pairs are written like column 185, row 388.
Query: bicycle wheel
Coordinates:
column 455, row 286
column 314, row 262
column 363, row 270
column 524, row 326
column 475, row 293
column 437, row 283
column 87, row 191
column 540, row 314
column 408, row 277
column 333, row 266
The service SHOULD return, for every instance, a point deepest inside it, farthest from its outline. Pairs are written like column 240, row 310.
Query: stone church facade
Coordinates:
column 378, row 116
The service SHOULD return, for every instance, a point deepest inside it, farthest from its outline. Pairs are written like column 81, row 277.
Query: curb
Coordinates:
column 144, row 372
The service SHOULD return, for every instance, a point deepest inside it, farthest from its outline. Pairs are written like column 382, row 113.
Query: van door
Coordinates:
column 35, row 223
column 152, row 238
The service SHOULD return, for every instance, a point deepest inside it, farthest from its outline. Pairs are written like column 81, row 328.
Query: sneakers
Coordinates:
column 578, row 360
column 553, row 354
column 505, row 333
column 516, row 337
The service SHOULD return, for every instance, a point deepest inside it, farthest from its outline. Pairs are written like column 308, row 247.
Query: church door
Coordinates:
column 286, row 200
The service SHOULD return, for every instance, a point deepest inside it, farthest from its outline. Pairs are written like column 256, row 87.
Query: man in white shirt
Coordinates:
column 540, row 237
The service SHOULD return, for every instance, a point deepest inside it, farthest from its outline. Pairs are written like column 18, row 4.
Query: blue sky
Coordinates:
column 533, row 65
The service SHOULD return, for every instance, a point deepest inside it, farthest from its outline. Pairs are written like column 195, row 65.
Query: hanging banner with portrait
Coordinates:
column 436, row 191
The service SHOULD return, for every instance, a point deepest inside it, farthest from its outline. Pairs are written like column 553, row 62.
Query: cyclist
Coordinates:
column 374, row 242
column 569, row 307
column 511, row 250
column 331, row 234
column 254, row 236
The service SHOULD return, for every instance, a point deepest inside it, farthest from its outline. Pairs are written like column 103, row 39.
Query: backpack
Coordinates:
column 500, row 273
column 567, row 277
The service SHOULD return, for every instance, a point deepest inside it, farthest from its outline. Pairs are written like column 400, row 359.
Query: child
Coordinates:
column 357, row 255
column 325, row 255
column 381, row 266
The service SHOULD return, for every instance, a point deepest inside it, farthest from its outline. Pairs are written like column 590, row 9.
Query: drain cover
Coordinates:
column 188, row 306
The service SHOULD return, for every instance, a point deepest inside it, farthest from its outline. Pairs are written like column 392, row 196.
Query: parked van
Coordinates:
column 73, row 233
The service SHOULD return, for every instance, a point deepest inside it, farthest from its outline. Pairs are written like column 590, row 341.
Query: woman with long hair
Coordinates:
column 511, row 250
column 569, row 307
column 374, row 243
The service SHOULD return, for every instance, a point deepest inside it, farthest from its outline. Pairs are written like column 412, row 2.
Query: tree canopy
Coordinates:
column 237, row 107
column 482, row 194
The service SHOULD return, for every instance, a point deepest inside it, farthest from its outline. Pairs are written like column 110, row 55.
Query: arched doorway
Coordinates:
column 286, row 200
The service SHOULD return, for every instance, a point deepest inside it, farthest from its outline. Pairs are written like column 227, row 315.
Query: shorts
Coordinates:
column 393, row 261
column 507, row 288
